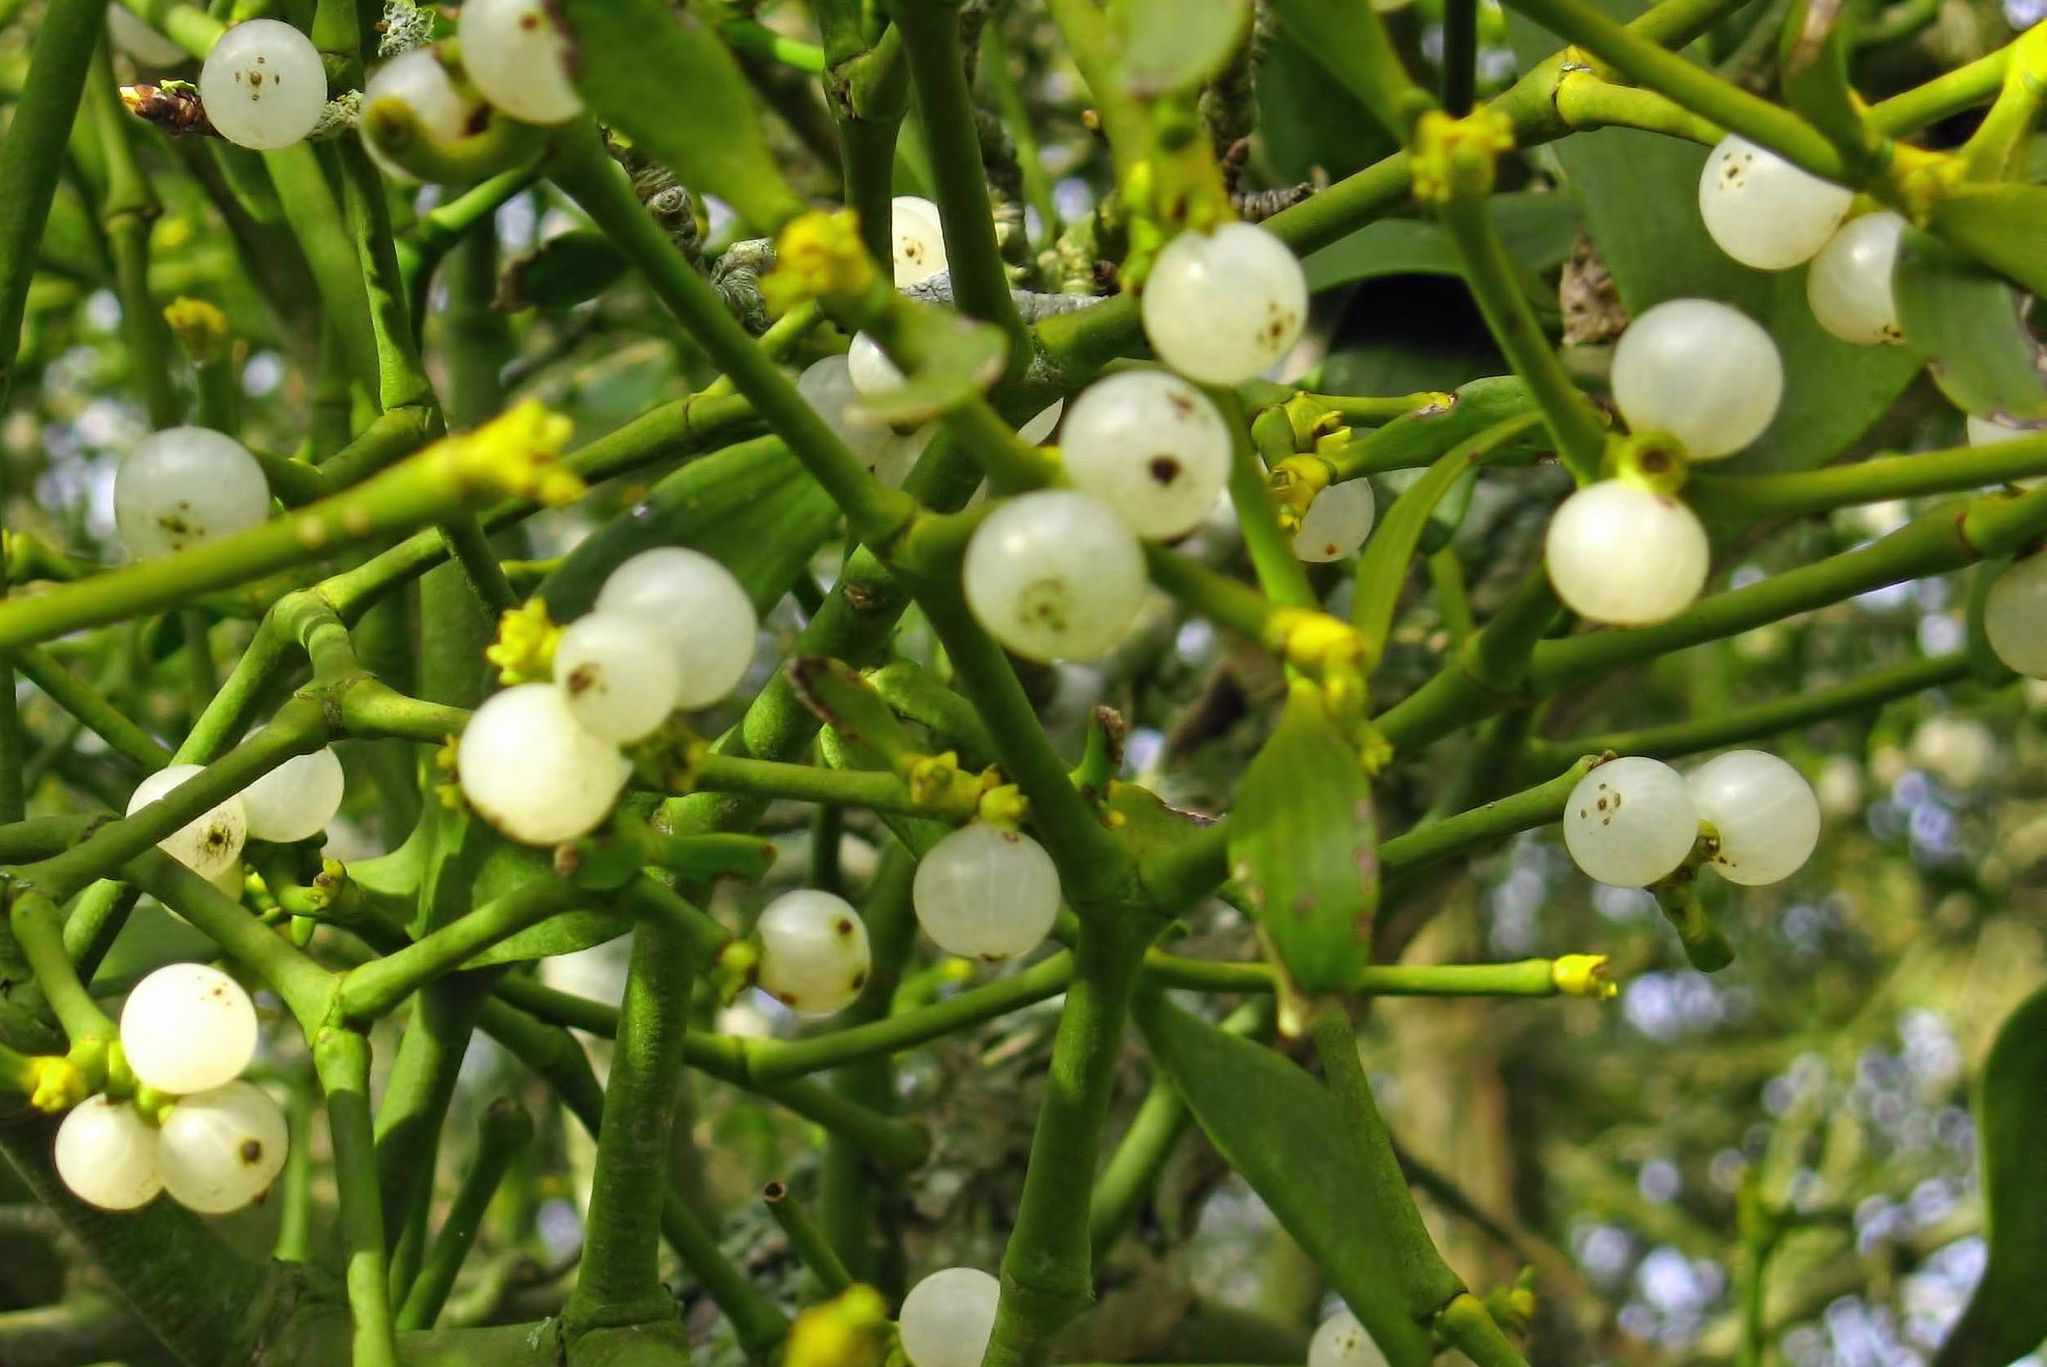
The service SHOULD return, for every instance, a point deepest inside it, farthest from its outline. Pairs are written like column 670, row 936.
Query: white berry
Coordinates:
column 1150, row 446
column 263, row 85
column 297, row 799
column 1630, row 822
column 1338, row 520
column 919, row 239
column 221, row 1149
column 814, row 954
column 1849, row 285
column 1766, row 814
column 2015, row 617
column 185, row 485
column 702, row 610
column 949, row 1317
column 1343, row 1342
column 1054, row 575
column 1625, row 556
column 1763, row 211
column 134, row 36
column 827, row 386
column 518, row 56
column 1038, row 428
column 188, row 1027
column 209, row 843
column 416, row 86
column 1705, row 373
column 1221, row 308
column 986, row 893
column 106, row 1154
column 530, row 769
column 1989, row 431
column 621, row 675
column 869, row 368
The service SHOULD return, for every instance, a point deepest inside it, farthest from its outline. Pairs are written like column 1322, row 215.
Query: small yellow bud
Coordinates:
column 1004, row 806
column 524, row 649
column 819, row 256
column 850, row 1330
column 517, row 453
column 1456, row 157
column 200, row 327
column 1293, row 484
column 1583, row 975
column 58, row 1084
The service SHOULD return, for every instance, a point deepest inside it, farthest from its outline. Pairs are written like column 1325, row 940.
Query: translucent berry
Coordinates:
column 416, row 85
column 1054, row 575
column 1222, row 307
column 188, row 1027
column 1343, row 1342
column 530, row 769
column 1849, row 285
column 297, row 799
column 134, row 36
column 219, row 1150
column 919, row 234
column 185, row 485
column 814, row 954
column 2015, row 617
column 106, row 1154
column 1038, row 428
column 1151, row 447
column 1630, row 822
column 621, row 674
column 518, row 56
column 699, row 606
column 263, row 85
column 1763, row 211
column 869, row 368
column 1626, row 556
column 1766, row 814
column 1337, row 522
column 827, row 386
column 208, row 844
column 949, row 1317
column 1707, row 374
column 986, row 893
column 902, row 453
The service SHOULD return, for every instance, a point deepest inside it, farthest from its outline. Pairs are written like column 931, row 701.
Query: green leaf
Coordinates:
column 958, row 358
column 750, row 506
column 2007, row 1317
column 1813, row 52
column 1538, row 231
column 568, row 269
column 1303, row 847
column 1171, row 47
column 1290, row 1139
column 840, row 697
column 1638, row 194
column 1968, row 326
column 660, row 75
column 1419, row 438
column 562, row 934
column 1999, row 225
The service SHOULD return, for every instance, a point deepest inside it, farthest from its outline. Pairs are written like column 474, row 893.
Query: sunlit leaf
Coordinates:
column 1968, row 325
column 1170, row 46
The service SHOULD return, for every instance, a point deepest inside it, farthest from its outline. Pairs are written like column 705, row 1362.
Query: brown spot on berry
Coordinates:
column 252, row 1152
column 1164, row 469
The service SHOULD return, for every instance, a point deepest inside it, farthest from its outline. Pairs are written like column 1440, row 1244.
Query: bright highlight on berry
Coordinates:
column 106, row 1154
column 297, row 799
column 263, row 85
column 1849, row 285
column 620, row 674
column 185, row 485
column 221, row 1149
column 1625, row 556
column 2015, row 617
column 1707, row 374
column 1766, row 814
column 210, row 843
column 1151, row 447
column 1630, row 822
column 1343, row 1342
column 949, row 1317
column 1336, row 523
column 1055, row 575
column 986, row 893
column 699, row 607
column 530, row 768
column 1222, row 308
column 187, row 1028
column 518, row 56
column 1763, row 211
column 919, row 239
column 814, row 952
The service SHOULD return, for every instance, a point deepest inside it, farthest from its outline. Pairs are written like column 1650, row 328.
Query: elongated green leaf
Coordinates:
column 1418, row 438
column 568, row 269
column 2007, row 1317
column 1303, row 847
column 1349, row 40
column 1813, row 53
column 1288, row 1137
column 1538, row 231
column 1170, row 47
column 843, row 699
column 751, row 507
column 660, row 75
column 563, row 934
column 1967, row 325
column 2000, row 225
column 1638, row 193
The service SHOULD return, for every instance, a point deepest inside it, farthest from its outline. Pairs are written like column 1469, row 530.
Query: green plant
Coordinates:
column 1383, row 748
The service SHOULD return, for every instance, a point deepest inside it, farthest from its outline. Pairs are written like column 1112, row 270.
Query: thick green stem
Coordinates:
column 503, row 1136
column 342, row 1058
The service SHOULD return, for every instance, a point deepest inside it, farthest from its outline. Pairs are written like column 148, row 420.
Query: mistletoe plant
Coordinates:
column 787, row 593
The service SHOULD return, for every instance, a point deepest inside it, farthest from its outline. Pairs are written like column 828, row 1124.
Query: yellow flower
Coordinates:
column 524, row 649
column 819, row 255
column 850, row 1330
column 518, row 453
column 200, row 327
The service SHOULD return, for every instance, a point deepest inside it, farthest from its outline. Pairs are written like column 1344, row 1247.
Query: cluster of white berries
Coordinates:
column 292, row 802
column 1342, row 1341
column 1634, row 821
column 986, row 892
column 671, row 630
column 948, row 1318
column 814, row 955
column 188, row 1031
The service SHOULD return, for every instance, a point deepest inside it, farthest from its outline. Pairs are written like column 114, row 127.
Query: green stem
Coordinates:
column 1749, row 499
column 1280, row 572
column 376, row 988
column 342, row 1058
column 39, row 931
column 505, row 1132
column 84, row 702
column 806, row 1240
column 306, row 987
column 316, row 221
column 127, row 211
column 1460, row 56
